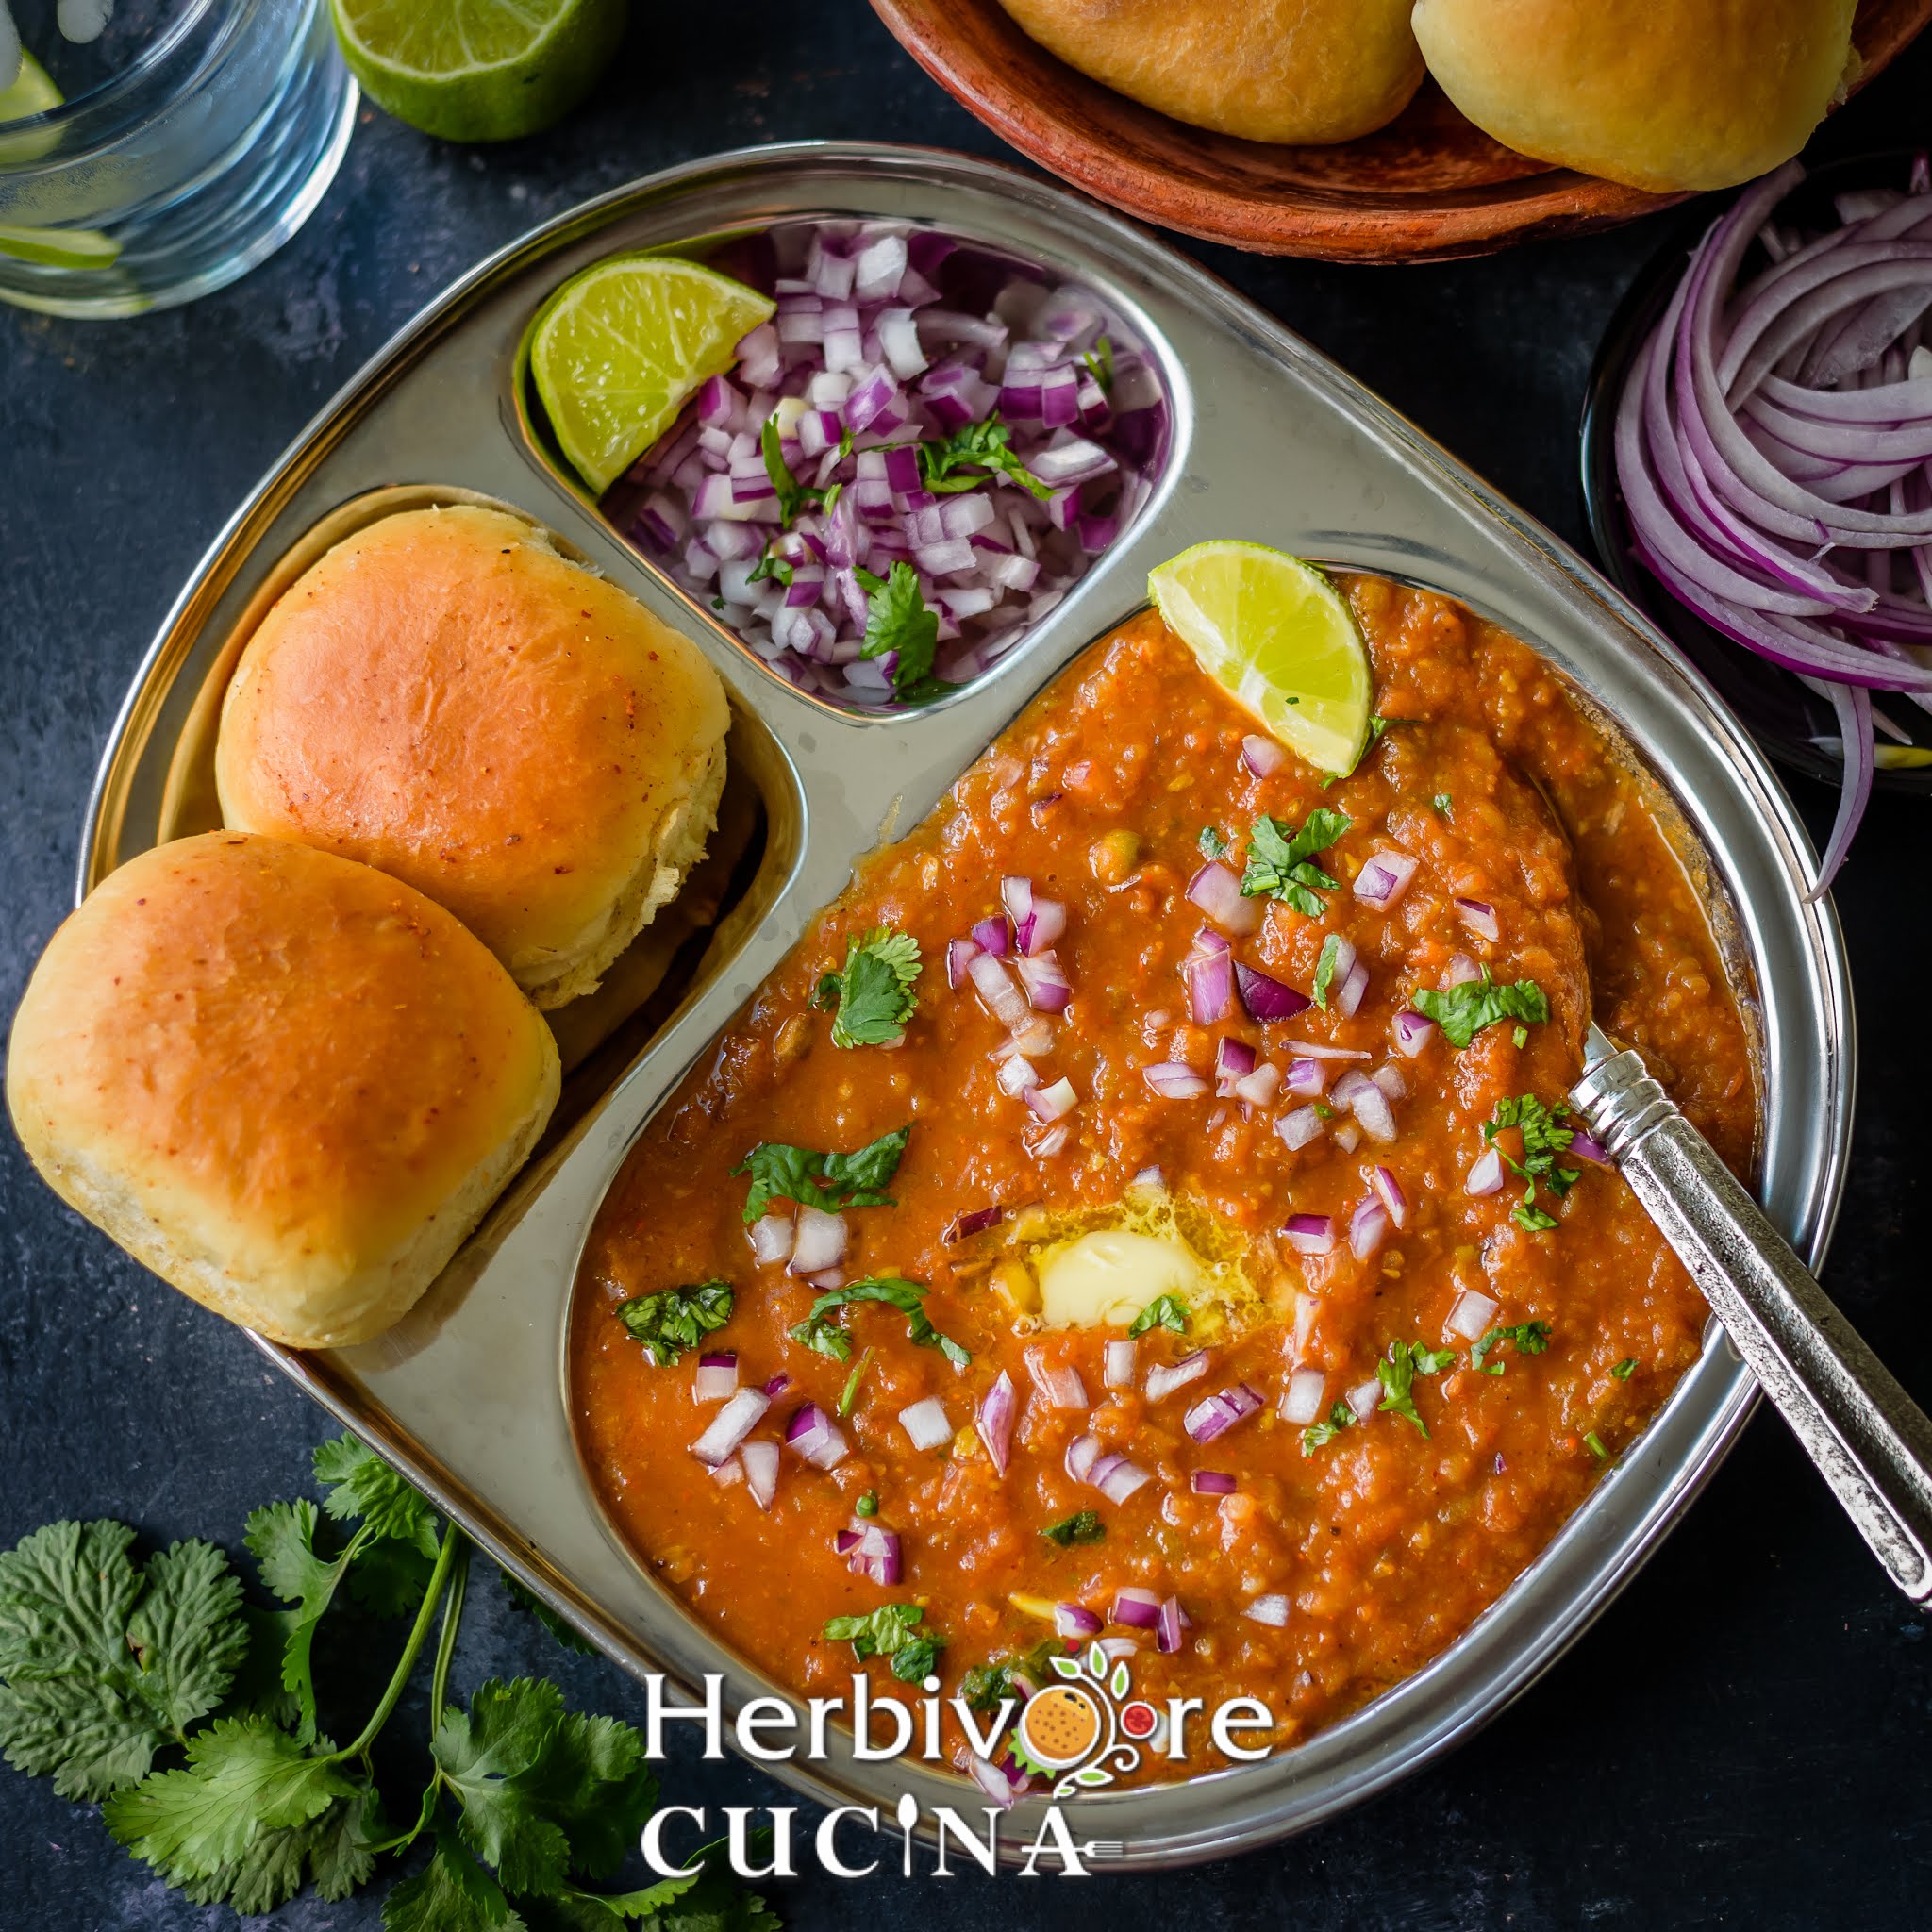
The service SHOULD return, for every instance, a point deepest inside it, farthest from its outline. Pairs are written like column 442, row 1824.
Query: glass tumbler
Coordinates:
column 198, row 136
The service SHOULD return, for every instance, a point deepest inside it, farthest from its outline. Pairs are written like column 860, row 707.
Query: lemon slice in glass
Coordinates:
column 618, row 349
column 1278, row 637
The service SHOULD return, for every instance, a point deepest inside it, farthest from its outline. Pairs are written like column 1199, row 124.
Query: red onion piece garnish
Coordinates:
column 818, row 1241
column 993, row 934
column 730, row 1427
column 1310, row 1234
column 1299, row 1125
column 1174, row 1080
column 717, row 1378
column 1301, row 1403
column 1384, row 879
column 1485, row 1175
column 962, row 1226
column 1271, row 1609
column 1212, row 1482
column 1481, row 918
column 761, row 1460
column 1138, row 1609
column 1262, row 756
column 1367, row 1227
column 1059, row 1382
column 1217, row 1415
column 1390, row 1189
column 1267, row 999
column 1588, row 1147
column 1163, row 1378
column 1119, row 1364
column 995, row 1421
column 925, row 1422
column 1076, row 1620
column 1412, row 1032
column 1209, row 978
column 812, row 1435
column 1048, row 989
column 1168, row 1629
column 1218, row 892
column 1471, row 1316
column 959, row 957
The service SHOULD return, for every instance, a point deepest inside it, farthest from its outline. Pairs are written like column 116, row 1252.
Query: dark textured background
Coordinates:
column 1740, row 1739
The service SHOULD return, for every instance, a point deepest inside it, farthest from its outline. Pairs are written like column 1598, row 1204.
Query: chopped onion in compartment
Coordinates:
column 885, row 338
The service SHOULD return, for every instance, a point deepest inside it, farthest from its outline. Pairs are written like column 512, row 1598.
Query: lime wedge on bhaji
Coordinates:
column 618, row 349
column 1278, row 637
column 478, row 70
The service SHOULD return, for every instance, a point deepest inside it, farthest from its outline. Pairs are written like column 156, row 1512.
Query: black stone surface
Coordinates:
column 1741, row 1738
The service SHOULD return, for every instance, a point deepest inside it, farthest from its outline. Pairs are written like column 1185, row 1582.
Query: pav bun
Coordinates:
column 287, row 1084
column 1312, row 71
column 1696, row 94
column 444, row 698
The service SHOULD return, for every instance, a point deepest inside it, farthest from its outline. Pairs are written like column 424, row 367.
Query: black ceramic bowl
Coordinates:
column 1779, row 712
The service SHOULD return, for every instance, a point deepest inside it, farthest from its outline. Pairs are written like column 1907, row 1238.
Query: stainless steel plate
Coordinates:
column 1271, row 442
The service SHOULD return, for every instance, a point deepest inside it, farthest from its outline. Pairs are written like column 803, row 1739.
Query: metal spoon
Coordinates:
column 1869, row 1437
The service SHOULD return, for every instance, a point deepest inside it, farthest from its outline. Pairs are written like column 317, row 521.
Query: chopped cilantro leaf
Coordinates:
column 1625, row 1369
column 1083, row 1526
column 848, row 1396
column 1281, row 863
column 873, row 996
column 895, row 1291
column 1318, row 1435
column 1443, row 802
column 832, row 1181
column 824, row 1335
column 982, row 446
column 1544, row 1138
column 1099, row 361
column 891, row 1632
column 1324, row 969
column 793, row 495
column 772, row 566
column 1462, row 1011
column 677, row 1319
column 1528, row 1338
column 986, row 1686
column 1596, row 1446
column 1163, row 1311
column 1397, row 1372
column 1377, row 724
column 899, row 625
column 1213, row 842
column 1518, row 1038
column 1323, row 1109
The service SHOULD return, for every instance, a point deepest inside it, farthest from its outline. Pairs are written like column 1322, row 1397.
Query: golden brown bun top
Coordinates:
column 446, row 697
column 1689, row 95
column 293, row 1055
column 1315, row 71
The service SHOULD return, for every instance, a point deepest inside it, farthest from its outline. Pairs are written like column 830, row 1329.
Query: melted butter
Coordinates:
column 1109, row 1276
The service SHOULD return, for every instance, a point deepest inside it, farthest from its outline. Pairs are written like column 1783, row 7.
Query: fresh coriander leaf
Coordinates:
column 899, row 625
column 907, row 1296
column 487, row 1756
column 850, row 1395
column 868, row 1505
column 793, row 495
column 243, row 1775
column 1213, row 842
column 1320, row 1435
column 1625, row 1368
column 258, row 1688
column 282, row 1536
column 1430, row 1362
column 982, row 446
column 916, row 1660
column 772, row 566
column 873, row 996
column 359, row 1483
column 1280, row 863
column 1323, row 1109
column 1099, row 361
column 1528, row 1338
column 1443, row 803
column 1596, row 1446
column 1544, row 1139
column 566, row 1634
column 101, row 1663
column 706, row 1900
column 1324, row 969
column 1083, row 1526
column 676, row 1319
column 1531, row 1218
column 1462, row 1011
column 1163, row 1311
column 832, row 1181
column 822, row 1336
column 1518, row 1038
column 891, row 1632
column 1377, row 724
column 452, row 1893
column 986, row 1686
column 334, row 1848
column 1397, row 1372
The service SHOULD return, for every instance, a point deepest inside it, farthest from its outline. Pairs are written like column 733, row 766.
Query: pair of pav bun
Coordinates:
column 289, row 1065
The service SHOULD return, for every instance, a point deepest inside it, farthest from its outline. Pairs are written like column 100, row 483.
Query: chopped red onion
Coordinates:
column 1048, row 989
column 1082, row 1453
column 1460, row 970
column 1262, row 756
column 1050, row 1103
column 1035, row 1035
column 1347, row 1136
column 1049, row 1143
column 959, row 954
column 1218, row 892
column 812, row 1435
column 761, row 1460
column 1317, row 1052
column 729, row 1473
column 1485, row 1176
column 1212, row 1482
column 1310, row 1234
column 1271, row 1610
column 1116, row 1478
column 963, row 1226
column 1412, row 1032
column 994, row 1423
column 1234, row 1060
column 1163, row 1378
column 993, row 934
column 1348, row 995
column 1258, row 1089
column 1299, row 1125
column 1118, row 1372
column 1058, row 1382
column 926, row 1421
column 1138, row 1609
column 1002, row 999
column 1471, row 1315
column 771, row 1238
column 1588, row 1147
column 1368, row 1226
column 1172, row 1080
column 1384, row 879
column 1209, row 978
column 1388, row 1077
column 1365, row 1398
column 1481, row 918
column 1392, row 1197
column 1116, row 1648
column 730, row 1427
column 1075, row 1620
column 818, row 1241
column 1301, row 1404
column 1168, row 1630
column 1305, row 1076
column 1268, row 999
column 1016, row 1074
column 992, row 1781
column 1041, row 926
column 1217, row 1415
column 777, row 1384
column 717, row 1378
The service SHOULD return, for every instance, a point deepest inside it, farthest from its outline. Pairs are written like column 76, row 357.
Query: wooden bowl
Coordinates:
column 1427, row 187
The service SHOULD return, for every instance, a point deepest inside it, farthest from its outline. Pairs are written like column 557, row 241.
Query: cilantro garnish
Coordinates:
column 1325, row 969
column 899, row 624
column 847, row 1397
column 1281, row 863
column 817, row 1331
column 1099, row 361
column 868, row 1505
column 677, row 1319
column 1083, row 1526
column 831, row 1181
column 977, row 445
column 1528, row 1338
column 1320, row 1434
column 986, row 1686
column 104, row 1665
column 1163, row 1311
column 773, row 566
column 1323, row 1109
column 793, row 495
column 1377, row 724
column 1625, row 1369
column 1462, row 1011
column 873, row 998
column 1518, row 1038
column 1443, row 802
column 1544, row 1138
column 1596, row 1446
column 1213, row 842
column 892, row 1632
column 1397, row 1372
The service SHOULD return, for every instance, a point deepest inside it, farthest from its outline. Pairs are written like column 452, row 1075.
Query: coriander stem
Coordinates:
column 454, row 1541
column 446, row 1643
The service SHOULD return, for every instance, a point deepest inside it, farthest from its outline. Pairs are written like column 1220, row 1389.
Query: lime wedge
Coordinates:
column 61, row 247
column 618, row 349
column 478, row 70
column 33, row 91
column 1280, row 639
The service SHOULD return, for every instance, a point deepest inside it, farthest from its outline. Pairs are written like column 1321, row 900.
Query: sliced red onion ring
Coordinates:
column 1138, row 1609
column 1163, row 1378
column 730, row 1427
column 1316, row 1051
column 1218, row 892
column 925, row 1422
column 812, row 1435
column 717, row 1378
column 761, row 1460
column 1471, row 1315
column 1310, row 1234
column 1268, row 999
column 1300, row 1402
column 1212, row 1482
column 1271, row 1610
column 994, row 1423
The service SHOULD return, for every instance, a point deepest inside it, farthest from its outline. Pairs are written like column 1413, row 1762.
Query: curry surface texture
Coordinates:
column 1386, row 1542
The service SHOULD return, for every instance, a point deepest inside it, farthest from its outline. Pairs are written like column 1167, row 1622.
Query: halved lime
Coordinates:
column 478, row 70
column 61, row 247
column 33, row 91
column 618, row 349
column 1279, row 637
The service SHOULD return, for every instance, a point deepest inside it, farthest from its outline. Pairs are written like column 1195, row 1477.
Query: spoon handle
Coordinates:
column 1872, row 1443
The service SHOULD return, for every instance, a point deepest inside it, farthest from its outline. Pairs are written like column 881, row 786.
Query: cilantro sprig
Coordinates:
column 781, row 1172
column 1319, row 1435
column 976, row 446
column 677, row 1319
column 899, row 625
column 1397, row 1371
column 105, row 1666
column 1163, row 1311
column 1544, row 1139
column 820, row 1332
column 1282, row 861
column 1526, row 1338
column 793, row 496
column 892, row 1632
column 873, row 998
column 1082, row 1526
column 1462, row 1011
